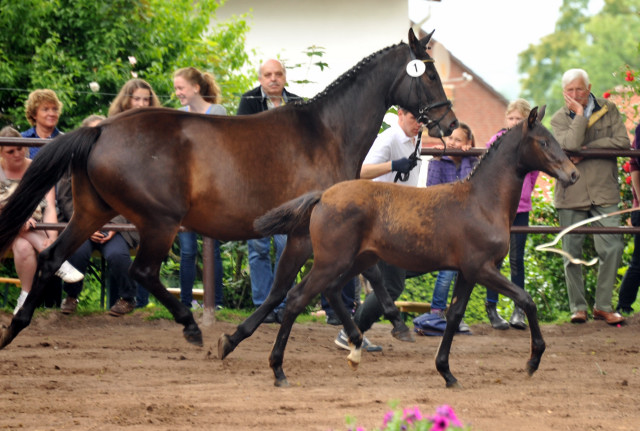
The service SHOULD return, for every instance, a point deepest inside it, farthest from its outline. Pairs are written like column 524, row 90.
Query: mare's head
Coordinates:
column 419, row 90
column 540, row 151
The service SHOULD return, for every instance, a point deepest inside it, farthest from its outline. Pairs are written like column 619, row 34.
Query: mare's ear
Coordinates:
column 419, row 47
column 533, row 115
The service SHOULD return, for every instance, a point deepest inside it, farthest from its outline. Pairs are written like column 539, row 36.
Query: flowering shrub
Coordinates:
column 411, row 419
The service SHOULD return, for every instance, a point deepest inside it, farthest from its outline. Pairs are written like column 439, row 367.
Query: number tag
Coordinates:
column 415, row 68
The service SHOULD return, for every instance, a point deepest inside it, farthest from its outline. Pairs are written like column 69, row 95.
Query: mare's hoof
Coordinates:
column 281, row 383
column 193, row 335
column 224, row 346
column 5, row 337
column 403, row 334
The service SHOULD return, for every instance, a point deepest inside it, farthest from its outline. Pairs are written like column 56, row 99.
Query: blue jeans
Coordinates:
column 441, row 289
column 116, row 253
column 261, row 270
column 517, row 243
column 188, row 258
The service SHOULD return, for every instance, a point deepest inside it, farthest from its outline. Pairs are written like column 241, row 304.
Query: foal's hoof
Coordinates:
column 353, row 364
column 403, row 334
column 454, row 385
column 193, row 335
column 532, row 367
column 224, row 346
column 281, row 383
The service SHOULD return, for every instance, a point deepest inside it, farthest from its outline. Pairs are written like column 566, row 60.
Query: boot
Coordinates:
column 497, row 322
column 517, row 318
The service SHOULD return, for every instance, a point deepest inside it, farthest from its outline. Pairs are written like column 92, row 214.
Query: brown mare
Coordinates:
column 162, row 168
column 461, row 226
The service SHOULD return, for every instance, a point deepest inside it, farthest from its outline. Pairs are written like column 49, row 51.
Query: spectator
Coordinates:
column 588, row 122
column 135, row 93
column 42, row 109
column 271, row 93
column 29, row 242
column 629, row 287
column 114, row 246
column 517, row 111
column 391, row 154
column 442, row 170
column 199, row 93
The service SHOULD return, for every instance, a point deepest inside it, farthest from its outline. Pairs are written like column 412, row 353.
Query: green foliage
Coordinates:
column 64, row 45
column 600, row 44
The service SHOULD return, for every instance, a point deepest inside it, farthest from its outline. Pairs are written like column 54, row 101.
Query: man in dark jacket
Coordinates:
column 270, row 94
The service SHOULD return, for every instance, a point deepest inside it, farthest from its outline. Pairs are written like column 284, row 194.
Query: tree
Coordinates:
column 66, row 44
column 602, row 44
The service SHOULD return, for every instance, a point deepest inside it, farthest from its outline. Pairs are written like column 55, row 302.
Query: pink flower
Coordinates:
column 606, row 94
column 387, row 418
column 448, row 412
column 412, row 415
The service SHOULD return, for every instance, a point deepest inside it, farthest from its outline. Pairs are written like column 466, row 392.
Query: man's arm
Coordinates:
column 374, row 170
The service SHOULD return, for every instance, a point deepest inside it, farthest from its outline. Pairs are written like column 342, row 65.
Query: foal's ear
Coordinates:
column 533, row 115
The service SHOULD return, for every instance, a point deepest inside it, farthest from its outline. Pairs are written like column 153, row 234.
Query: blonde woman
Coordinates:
column 135, row 93
column 42, row 109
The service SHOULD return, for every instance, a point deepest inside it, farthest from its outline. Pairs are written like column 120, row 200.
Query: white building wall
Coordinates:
column 347, row 30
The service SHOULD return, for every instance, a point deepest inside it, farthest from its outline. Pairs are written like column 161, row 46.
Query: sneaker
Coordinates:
column 68, row 273
column 195, row 304
column 332, row 319
column 21, row 299
column 122, row 307
column 69, row 305
column 462, row 327
column 343, row 342
column 271, row 318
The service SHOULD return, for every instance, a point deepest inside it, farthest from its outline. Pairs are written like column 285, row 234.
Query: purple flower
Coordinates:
column 448, row 412
column 412, row 414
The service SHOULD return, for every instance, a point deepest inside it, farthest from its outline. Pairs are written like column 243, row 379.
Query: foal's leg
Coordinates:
column 294, row 255
column 321, row 278
column 49, row 260
column 495, row 280
column 461, row 294
column 391, row 312
column 156, row 238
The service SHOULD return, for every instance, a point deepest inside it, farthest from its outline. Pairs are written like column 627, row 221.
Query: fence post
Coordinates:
column 208, row 281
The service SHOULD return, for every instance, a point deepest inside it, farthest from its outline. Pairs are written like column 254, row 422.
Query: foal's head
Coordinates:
column 540, row 151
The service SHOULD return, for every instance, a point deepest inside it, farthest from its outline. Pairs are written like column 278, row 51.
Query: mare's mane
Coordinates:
column 346, row 76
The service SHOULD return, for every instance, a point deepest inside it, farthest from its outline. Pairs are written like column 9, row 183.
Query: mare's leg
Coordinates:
column 391, row 312
column 295, row 254
column 49, row 260
column 459, row 300
column 156, row 238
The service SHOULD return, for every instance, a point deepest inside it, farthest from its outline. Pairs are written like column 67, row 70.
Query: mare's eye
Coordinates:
column 544, row 143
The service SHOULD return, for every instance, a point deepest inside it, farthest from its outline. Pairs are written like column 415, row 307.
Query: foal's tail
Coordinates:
column 288, row 217
column 49, row 165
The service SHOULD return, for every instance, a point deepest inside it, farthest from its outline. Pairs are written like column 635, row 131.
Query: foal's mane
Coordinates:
column 492, row 149
column 349, row 75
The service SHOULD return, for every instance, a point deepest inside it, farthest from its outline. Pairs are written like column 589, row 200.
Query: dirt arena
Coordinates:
column 104, row 373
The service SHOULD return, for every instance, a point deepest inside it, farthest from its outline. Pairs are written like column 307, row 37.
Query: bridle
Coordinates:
column 423, row 111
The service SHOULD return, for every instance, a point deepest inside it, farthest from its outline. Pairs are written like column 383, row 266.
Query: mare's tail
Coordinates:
column 288, row 217
column 49, row 165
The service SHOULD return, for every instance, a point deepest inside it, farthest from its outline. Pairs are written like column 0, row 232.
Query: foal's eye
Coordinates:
column 544, row 143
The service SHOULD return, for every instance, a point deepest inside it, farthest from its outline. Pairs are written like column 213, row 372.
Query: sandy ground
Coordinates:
column 106, row 373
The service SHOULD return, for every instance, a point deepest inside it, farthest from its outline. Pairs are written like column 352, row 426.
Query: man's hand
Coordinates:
column 403, row 165
column 572, row 104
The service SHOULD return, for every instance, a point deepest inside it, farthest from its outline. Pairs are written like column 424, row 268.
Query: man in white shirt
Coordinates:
column 392, row 155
